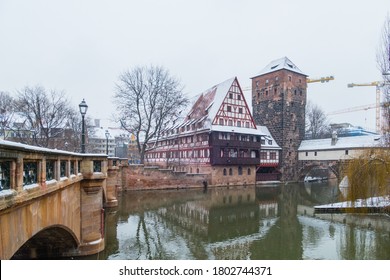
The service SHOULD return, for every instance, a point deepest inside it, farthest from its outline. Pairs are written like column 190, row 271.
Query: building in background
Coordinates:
column 120, row 142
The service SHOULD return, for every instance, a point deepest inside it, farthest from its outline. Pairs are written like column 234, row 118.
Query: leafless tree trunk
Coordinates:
column 316, row 121
column 147, row 98
column 383, row 62
column 44, row 116
column 6, row 113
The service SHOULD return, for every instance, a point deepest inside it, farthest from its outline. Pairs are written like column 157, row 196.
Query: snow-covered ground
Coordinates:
column 379, row 201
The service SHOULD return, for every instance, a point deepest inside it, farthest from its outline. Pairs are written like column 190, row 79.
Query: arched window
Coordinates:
column 230, row 171
column 249, row 171
column 224, row 172
column 240, row 170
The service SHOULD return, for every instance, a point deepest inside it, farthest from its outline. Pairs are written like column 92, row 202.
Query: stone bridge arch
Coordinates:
column 53, row 242
column 332, row 167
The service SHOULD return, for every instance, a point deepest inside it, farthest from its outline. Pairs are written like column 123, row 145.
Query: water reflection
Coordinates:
column 268, row 222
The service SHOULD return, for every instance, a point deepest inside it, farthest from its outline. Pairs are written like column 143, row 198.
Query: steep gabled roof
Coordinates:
column 279, row 64
column 206, row 111
column 212, row 104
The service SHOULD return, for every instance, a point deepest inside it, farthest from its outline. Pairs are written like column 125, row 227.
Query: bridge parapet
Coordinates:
column 43, row 188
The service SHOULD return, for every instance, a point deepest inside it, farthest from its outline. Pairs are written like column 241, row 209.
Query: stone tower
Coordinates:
column 279, row 100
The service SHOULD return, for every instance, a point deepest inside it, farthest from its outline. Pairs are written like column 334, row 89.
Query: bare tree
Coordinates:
column 6, row 113
column 147, row 98
column 383, row 63
column 44, row 116
column 317, row 125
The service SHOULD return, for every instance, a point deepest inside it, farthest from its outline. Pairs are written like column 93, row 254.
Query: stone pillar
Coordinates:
column 92, row 212
column 112, row 184
column 92, row 217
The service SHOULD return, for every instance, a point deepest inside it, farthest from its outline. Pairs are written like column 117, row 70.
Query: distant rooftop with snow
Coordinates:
column 353, row 142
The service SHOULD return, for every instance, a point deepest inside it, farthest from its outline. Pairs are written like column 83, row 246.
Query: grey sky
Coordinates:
column 81, row 47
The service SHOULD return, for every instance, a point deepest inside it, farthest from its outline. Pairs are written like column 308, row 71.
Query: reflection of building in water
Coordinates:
column 191, row 216
column 237, row 212
column 268, row 209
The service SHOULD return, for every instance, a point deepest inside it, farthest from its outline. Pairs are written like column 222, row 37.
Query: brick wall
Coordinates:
column 139, row 177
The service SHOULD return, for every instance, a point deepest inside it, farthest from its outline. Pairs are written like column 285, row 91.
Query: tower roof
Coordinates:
column 279, row 64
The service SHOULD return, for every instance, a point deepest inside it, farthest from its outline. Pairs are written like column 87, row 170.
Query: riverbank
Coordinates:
column 380, row 204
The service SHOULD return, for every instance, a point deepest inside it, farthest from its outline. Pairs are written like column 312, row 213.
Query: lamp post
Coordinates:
column 83, row 110
column 107, row 135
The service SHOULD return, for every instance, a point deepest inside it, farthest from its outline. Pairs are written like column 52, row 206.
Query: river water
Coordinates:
column 264, row 222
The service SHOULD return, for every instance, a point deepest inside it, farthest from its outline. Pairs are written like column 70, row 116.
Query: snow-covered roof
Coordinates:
column 268, row 136
column 100, row 133
column 279, row 64
column 205, row 110
column 353, row 142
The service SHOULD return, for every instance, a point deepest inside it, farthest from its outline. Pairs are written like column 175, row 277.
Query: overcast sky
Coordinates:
column 81, row 47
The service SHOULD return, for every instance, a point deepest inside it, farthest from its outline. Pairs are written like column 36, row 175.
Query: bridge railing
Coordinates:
column 28, row 171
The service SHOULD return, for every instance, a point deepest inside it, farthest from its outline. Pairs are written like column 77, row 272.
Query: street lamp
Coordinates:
column 107, row 135
column 83, row 110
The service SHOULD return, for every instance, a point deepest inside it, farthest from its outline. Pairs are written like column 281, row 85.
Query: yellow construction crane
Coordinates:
column 378, row 85
column 359, row 108
column 316, row 80
column 322, row 79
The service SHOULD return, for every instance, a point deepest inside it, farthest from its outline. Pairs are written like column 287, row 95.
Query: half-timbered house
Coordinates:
column 217, row 137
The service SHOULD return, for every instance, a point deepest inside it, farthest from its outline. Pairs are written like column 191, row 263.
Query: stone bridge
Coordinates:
column 329, row 168
column 52, row 202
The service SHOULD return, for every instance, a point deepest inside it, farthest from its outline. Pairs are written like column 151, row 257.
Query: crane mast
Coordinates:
column 378, row 85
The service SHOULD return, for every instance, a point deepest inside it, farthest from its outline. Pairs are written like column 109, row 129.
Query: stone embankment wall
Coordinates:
column 139, row 177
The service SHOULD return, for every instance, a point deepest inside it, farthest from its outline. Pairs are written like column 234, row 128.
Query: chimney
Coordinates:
column 97, row 123
column 334, row 138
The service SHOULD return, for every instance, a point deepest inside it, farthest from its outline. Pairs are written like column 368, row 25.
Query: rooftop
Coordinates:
column 353, row 142
column 279, row 64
